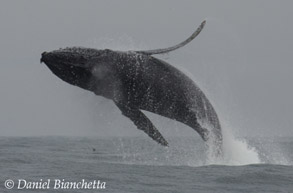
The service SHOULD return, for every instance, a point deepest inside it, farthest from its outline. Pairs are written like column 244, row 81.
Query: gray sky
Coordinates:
column 242, row 60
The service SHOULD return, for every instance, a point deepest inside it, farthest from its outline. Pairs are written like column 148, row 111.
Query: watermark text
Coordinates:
column 56, row 184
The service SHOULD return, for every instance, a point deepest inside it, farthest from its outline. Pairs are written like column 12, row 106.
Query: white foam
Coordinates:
column 235, row 151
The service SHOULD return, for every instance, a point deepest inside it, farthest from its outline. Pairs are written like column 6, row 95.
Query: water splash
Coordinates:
column 192, row 151
column 235, row 152
column 186, row 151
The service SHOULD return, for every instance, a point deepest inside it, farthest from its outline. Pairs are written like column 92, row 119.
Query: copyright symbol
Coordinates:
column 9, row 184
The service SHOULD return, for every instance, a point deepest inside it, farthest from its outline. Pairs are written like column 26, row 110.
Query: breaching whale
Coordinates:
column 135, row 81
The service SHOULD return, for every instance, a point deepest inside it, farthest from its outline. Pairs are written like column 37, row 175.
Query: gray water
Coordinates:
column 137, row 164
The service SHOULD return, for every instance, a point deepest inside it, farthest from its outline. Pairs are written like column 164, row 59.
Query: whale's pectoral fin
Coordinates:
column 166, row 50
column 142, row 123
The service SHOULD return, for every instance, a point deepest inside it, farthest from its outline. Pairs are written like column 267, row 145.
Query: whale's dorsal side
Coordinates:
column 166, row 50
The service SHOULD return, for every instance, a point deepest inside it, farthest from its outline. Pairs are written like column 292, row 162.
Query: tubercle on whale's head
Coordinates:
column 74, row 56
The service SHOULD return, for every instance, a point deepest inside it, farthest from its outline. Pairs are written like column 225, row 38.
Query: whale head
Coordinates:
column 73, row 65
column 75, row 56
column 86, row 68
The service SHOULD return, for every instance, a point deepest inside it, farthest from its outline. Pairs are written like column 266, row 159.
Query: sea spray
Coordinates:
column 235, row 151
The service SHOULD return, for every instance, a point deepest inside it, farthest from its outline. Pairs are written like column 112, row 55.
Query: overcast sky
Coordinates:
column 242, row 60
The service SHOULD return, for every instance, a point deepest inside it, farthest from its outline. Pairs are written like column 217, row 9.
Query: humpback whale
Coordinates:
column 136, row 81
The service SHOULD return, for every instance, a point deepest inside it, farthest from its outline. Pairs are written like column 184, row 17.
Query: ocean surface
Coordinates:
column 137, row 164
